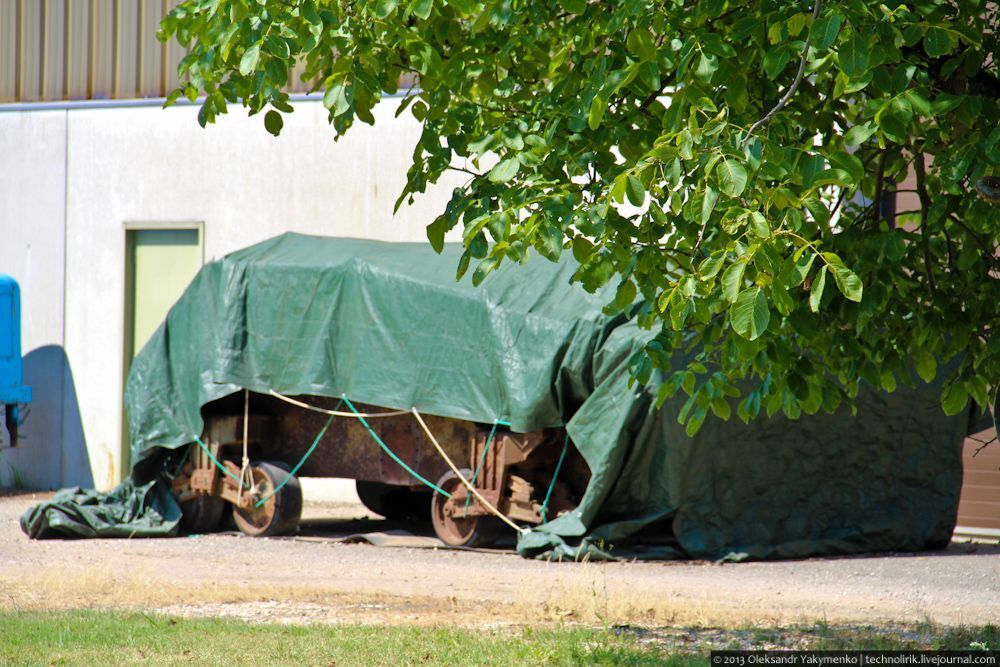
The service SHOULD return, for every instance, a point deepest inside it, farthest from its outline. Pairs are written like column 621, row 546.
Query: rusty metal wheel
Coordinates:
column 201, row 514
column 448, row 522
column 279, row 515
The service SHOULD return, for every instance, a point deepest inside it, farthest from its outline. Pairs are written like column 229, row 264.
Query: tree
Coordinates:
column 725, row 164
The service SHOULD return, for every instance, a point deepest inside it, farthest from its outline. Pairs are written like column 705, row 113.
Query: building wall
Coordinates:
column 79, row 175
column 32, row 245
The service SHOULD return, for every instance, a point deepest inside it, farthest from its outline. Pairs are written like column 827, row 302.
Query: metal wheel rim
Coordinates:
column 257, row 519
column 450, row 529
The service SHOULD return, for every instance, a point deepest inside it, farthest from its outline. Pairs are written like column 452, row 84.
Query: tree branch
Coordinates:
column 925, row 205
column 791, row 89
column 988, row 252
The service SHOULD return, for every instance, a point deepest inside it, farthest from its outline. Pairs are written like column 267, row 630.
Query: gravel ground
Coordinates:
column 318, row 577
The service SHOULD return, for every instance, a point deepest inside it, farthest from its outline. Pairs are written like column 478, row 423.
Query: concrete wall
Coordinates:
column 32, row 249
column 71, row 180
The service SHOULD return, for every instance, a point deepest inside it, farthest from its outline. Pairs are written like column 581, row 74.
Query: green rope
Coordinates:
column 298, row 465
column 388, row 451
column 545, row 503
column 177, row 471
column 482, row 459
column 219, row 465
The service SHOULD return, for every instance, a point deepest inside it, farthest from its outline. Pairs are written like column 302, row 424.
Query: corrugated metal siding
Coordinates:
column 980, row 505
column 54, row 50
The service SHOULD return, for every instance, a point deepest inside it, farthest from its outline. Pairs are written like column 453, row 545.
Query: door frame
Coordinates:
column 129, row 227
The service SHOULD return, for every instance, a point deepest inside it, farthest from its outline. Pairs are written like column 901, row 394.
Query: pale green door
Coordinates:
column 163, row 262
column 159, row 265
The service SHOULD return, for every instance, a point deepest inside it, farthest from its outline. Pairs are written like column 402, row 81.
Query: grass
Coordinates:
column 128, row 638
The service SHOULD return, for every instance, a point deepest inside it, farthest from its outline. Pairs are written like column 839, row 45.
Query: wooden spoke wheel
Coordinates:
column 396, row 503
column 201, row 514
column 450, row 526
column 280, row 512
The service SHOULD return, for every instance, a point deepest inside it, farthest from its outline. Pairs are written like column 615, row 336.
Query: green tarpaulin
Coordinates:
column 387, row 324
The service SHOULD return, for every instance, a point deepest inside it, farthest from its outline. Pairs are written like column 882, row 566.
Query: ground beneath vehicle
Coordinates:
column 528, row 477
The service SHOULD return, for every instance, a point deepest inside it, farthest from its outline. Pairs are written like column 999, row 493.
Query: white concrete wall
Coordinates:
column 32, row 244
column 69, row 182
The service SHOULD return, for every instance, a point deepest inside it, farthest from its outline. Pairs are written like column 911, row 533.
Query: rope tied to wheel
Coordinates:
column 245, row 469
column 444, row 456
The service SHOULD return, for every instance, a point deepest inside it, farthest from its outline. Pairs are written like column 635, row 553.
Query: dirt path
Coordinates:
column 317, row 577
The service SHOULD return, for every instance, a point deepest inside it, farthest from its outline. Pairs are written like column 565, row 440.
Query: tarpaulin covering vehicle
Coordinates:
column 524, row 382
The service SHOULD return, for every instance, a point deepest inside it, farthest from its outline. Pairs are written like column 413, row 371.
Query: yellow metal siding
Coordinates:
column 53, row 50
column 30, row 42
column 8, row 49
column 76, row 81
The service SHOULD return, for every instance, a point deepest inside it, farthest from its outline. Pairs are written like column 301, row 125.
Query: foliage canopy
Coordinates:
column 727, row 164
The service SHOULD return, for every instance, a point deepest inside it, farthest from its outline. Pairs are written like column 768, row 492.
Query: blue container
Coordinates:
column 12, row 391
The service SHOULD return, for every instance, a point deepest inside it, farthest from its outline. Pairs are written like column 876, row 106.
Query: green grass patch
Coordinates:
column 131, row 638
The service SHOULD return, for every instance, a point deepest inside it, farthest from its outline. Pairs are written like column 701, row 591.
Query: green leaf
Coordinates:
column 749, row 407
column 926, row 366
column 759, row 225
column 249, row 60
column 640, row 44
column 688, row 382
column 732, row 177
column 695, row 421
column 635, row 191
column 625, row 294
column 775, row 62
column 854, row 56
column 824, row 31
column 795, row 23
column 708, row 203
column 335, row 99
column 596, row 273
column 816, row 291
column 708, row 65
column 422, row 8
column 618, row 188
column 938, row 42
column 276, row 46
column 732, row 280
column 436, row 231
column 967, row 257
column 800, row 269
column 894, row 119
column 582, row 249
column 549, row 241
column 749, row 314
column 721, row 408
column 710, row 266
column 385, row 7
column 812, row 165
column 484, row 269
column 849, row 163
column 574, row 6
column 172, row 97
column 273, row 122
column 954, row 398
column 597, row 108
column 782, row 299
column 504, row 170
column 859, row 134
column 847, row 281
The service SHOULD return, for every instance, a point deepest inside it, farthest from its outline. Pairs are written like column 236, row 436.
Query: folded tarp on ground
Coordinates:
column 387, row 324
column 129, row 510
